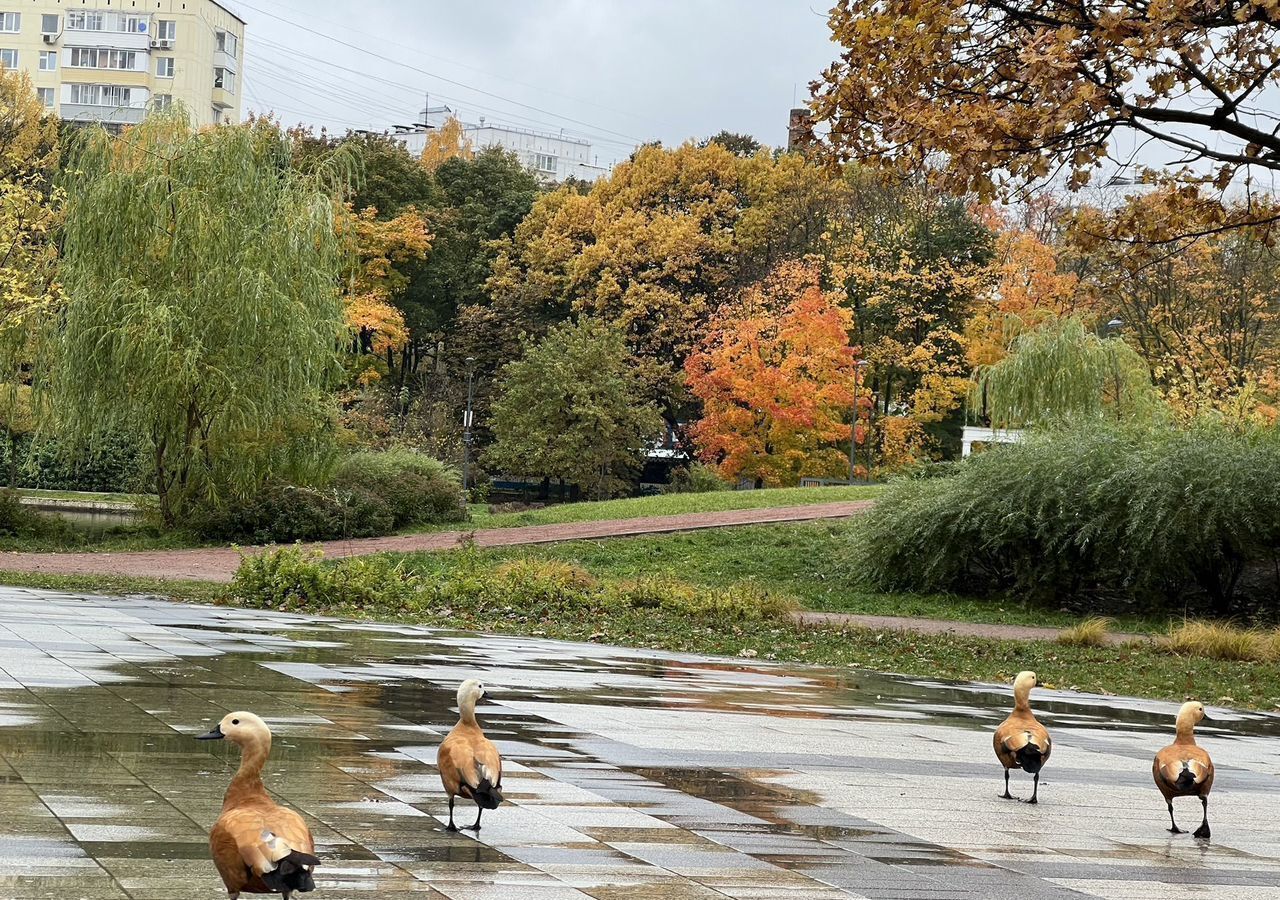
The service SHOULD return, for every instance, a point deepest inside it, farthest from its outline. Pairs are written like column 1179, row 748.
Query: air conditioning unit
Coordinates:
column 49, row 38
column 159, row 44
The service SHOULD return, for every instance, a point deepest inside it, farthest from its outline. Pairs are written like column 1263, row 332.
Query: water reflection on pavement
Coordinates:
column 631, row 773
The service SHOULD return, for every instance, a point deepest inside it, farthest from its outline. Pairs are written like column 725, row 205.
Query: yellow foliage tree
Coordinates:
column 30, row 210
column 449, row 141
column 379, row 246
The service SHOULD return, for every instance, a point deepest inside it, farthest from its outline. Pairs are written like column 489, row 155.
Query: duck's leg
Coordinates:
column 451, row 826
column 1175, row 829
column 1203, row 830
column 1006, row 795
column 476, row 826
column 1035, row 788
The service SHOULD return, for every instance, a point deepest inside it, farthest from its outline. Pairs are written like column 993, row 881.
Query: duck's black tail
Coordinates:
column 487, row 795
column 292, row 874
column 1030, row 758
column 1186, row 779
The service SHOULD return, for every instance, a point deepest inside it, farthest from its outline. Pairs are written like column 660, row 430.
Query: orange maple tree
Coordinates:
column 775, row 376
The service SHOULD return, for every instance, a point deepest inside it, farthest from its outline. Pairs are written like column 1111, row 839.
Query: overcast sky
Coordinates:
column 613, row 71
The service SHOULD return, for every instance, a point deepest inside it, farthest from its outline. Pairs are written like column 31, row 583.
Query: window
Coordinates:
column 46, row 97
column 544, row 162
column 9, row 58
column 92, row 58
column 163, row 101
column 164, row 67
column 101, row 94
column 85, row 21
column 224, row 79
column 167, row 30
column 217, row 115
column 48, row 60
column 132, row 24
column 11, row 22
column 49, row 24
column 227, row 42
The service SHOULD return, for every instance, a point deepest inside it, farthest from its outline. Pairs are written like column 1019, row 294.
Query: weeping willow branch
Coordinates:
column 1062, row 371
column 202, row 312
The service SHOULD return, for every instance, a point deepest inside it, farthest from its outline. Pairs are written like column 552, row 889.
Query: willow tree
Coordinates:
column 202, row 311
column 1061, row 372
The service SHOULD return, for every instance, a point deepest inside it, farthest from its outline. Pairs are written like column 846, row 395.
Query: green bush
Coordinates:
column 418, row 489
column 527, row 588
column 15, row 519
column 116, row 464
column 284, row 513
column 1107, row 514
column 696, row 479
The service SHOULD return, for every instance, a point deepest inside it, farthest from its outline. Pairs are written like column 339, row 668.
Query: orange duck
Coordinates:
column 470, row 766
column 1184, row 769
column 258, row 846
column 1021, row 742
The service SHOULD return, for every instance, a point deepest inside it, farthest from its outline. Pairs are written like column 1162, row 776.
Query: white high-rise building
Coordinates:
column 554, row 157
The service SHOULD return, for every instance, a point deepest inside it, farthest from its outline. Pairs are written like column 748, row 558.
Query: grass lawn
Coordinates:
column 805, row 560
column 670, row 505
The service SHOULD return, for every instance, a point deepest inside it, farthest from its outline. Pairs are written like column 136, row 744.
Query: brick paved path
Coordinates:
column 219, row 564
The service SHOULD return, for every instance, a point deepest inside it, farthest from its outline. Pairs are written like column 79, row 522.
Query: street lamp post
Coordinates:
column 853, row 431
column 467, row 419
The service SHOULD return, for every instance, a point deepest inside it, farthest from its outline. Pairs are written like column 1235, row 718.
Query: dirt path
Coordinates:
column 219, row 564
column 945, row 626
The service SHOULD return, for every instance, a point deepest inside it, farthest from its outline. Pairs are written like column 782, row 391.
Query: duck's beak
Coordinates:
column 215, row 735
column 1205, row 717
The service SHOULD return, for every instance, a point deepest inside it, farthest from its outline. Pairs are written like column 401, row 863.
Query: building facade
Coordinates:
column 555, row 158
column 110, row 61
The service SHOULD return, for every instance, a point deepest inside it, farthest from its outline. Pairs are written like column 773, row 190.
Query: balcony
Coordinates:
column 223, row 99
column 112, row 40
column 112, row 115
column 224, row 60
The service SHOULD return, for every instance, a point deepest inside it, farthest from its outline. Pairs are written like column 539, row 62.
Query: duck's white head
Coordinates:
column 1191, row 714
column 240, row 728
column 1025, row 682
column 470, row 692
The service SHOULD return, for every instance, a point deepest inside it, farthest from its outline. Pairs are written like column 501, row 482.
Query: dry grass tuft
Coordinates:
column 1213, row 641
column 1092, row 632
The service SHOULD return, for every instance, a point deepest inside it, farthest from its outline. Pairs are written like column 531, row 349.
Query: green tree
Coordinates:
column 202, row 311
column 1062, row 372
column 571, row 409
column 738, row 144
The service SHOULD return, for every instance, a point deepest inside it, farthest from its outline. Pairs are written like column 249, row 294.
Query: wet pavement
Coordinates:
column 631, row 774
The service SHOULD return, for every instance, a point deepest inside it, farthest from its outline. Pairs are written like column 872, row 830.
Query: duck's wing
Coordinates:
column 1022, row 742
column 272, row 845
column 1185, row 769
column 474, row 761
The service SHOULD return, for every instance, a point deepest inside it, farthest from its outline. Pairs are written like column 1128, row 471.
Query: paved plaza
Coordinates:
column 631, row 774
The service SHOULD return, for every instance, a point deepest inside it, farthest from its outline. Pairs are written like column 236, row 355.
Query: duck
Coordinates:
column 470, row 765
column 1021, row 742
column 258, row 846
column 1184, row 769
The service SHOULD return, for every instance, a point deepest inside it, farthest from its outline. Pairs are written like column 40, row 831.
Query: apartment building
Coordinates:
column 109, row 61
column 553, row 157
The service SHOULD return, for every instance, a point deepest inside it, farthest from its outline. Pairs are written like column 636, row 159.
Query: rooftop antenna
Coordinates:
column 428, row 110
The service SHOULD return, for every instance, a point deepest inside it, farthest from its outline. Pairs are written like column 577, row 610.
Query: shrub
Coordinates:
column 15, row 519
column 292, row 578
column 528, row 588
column 696, row 479
column 279, row 513
column 1114, row 515
column 116, row 463
column 418, row 489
